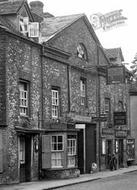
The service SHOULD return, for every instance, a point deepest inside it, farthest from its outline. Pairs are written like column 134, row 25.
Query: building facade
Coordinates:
column 20, row 65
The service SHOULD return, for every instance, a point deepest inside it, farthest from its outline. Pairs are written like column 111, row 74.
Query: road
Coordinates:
column 121, row 182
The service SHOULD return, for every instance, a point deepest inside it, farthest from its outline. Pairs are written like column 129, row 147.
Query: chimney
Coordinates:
column 37, row 7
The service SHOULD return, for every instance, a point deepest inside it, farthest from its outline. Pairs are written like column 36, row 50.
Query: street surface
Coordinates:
column 121, row 182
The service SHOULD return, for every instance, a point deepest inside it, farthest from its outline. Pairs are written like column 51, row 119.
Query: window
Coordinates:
column 103, row 146
column 23, row 24
column 56, row 148
column 22, row 150
column 107, row 105
column 23, row 88
column 59, row 151
column 55, row 103
column 120, row 106
column 83, row 91
column 33, row 30
column 57, row 143
column 82, row 52
column 116, row 146
column 71, row 146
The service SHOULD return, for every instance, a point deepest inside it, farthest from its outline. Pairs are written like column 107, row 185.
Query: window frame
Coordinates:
column 107, row 104
column 71, row 145
column 24, row 98
column 22, row 150
column 57, row 152
column 103, row 145
column 82, row 52
column 55, row 103
column 83, row 92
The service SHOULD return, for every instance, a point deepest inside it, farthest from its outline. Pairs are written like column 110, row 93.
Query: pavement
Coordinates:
column 53, row 184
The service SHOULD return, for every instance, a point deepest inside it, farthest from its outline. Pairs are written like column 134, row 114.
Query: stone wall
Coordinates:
column 22, row 63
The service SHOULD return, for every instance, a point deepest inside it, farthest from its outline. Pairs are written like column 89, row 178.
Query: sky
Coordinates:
column 123, row 36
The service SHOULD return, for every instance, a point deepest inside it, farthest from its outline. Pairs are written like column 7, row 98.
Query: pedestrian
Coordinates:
column 113, row 162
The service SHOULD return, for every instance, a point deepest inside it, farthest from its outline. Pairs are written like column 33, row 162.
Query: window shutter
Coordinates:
column 1, row 154
column 46, row 151
column 34, row 29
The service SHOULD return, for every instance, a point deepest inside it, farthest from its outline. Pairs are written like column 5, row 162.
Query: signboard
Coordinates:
column 116, row 74
column 99, row 119
column 80, row 118
column 121, row 133
column 107, row 131
column 108, row 20
column 130, row 149
column 80, row 126
column 120, row 118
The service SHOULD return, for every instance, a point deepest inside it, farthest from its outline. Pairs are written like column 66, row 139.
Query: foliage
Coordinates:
column 133, row 67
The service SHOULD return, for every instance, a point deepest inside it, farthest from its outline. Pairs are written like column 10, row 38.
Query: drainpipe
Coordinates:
column 42, row 123
column 98, row 111
column 69, row 86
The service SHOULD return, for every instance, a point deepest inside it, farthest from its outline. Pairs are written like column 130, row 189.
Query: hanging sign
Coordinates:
column 116, row 74
column 120, row 118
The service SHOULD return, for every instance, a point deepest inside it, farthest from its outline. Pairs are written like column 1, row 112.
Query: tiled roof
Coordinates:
column 114, row 53
column 38, row 18
column 6, row 24
column 48, row 15
column 52, row 26
column 10, row 7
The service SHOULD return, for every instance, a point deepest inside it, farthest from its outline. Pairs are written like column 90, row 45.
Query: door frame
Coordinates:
column 28, row 157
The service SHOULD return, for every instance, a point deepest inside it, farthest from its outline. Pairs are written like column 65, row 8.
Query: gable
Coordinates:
column 69, row 38
column 24, row 11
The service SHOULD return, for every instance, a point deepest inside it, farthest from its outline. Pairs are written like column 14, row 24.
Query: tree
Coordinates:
column 133, row 67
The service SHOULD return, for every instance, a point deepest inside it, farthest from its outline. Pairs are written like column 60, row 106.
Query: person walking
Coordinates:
column 113, row 162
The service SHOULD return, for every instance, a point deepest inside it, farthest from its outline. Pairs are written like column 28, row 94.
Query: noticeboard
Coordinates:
column 120, row 118
column 116, row 74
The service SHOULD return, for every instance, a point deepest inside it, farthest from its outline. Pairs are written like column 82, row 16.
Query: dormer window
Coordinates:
column 30, row 29
column 82, row 52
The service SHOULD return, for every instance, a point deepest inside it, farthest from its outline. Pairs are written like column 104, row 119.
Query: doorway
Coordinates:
column 80, row 145
column 25, row 158
column 86, row 143
column 90, row 146
column 109, row 151
column 120, row 152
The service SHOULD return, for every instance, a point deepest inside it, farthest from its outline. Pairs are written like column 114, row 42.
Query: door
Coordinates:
column 80, row 145
column 25, row 158
column 109, row 151
column 120, row 153
column 90, row 144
